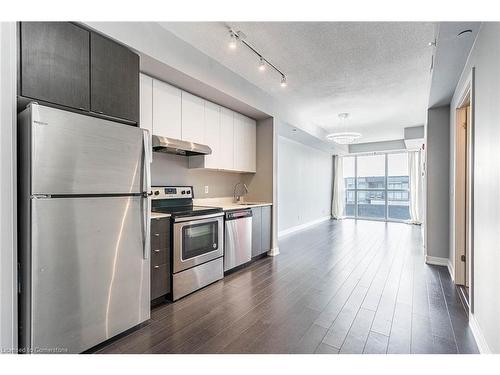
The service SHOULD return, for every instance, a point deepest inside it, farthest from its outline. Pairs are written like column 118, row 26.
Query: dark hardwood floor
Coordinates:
column 339, row 287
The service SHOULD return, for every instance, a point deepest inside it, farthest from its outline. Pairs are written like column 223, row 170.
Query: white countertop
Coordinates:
column 227, row 204
column 158, row 215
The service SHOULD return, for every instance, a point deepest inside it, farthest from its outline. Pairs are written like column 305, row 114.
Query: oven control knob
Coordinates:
column 157, row 192
column 183, row 192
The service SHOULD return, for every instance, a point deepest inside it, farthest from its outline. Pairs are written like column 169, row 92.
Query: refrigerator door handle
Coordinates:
column 148, row 158
column 147, row 226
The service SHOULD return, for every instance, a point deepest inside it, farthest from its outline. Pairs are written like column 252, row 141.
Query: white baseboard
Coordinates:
column 302, row 226
column 482, row 345
column 437, row 261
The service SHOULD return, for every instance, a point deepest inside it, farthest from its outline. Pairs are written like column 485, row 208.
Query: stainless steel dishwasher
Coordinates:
column 238, row 238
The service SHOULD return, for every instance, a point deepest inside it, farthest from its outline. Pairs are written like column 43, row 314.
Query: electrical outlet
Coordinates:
column 206, row 189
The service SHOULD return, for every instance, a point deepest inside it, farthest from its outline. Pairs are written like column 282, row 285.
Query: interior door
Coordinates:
column 90, row 280
column 77, row 154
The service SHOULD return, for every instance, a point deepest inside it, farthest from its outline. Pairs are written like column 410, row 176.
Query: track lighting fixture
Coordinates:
column 239, row 37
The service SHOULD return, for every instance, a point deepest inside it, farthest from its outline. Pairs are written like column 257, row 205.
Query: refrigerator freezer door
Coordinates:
column 90, row 280
column 77, row 154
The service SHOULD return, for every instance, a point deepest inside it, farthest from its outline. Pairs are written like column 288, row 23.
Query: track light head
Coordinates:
column 262, row 65
column 233, row 41
column 283, row 81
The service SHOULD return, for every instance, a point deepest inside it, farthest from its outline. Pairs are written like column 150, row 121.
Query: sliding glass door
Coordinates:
column 376, row 186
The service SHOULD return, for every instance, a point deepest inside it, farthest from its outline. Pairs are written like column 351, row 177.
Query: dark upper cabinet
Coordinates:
column 114, row 76
column 55, row 63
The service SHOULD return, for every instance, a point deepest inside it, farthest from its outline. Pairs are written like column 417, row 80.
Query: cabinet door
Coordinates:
column 114, row 79
column 212, row 134
column 166, row 110
column 146, row 103
column 244, row 143
column 266, row 229
column 250, row 145
column 226, row 160
column 256, row 231
column 193, row 118
column 55, row 63
column 239, row 143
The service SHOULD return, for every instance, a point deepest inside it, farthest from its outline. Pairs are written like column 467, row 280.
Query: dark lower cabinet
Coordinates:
column 261, row 230
column 114, row 75
column 54, row 63
column 266, row 228
column 160, row 258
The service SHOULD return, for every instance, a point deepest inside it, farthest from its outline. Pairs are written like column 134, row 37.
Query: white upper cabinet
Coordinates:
column 244, row 143
column 170, row 112
column 213, row 134
column 146, row 102
column 251, row 148
column 193, row 118
column 226, row 153
column 166, row 110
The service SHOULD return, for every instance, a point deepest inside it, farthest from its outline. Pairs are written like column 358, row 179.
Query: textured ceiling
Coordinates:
column 376, row 71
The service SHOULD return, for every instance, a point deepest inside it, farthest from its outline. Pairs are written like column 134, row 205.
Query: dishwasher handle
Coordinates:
column 239, row 214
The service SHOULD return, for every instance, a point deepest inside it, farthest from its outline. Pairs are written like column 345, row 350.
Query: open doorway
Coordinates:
column 464, row 195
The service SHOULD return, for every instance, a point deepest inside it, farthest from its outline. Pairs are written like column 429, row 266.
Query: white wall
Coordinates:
column 485, row 58
column 8, row 229
column 438, row 185
column 305, row 177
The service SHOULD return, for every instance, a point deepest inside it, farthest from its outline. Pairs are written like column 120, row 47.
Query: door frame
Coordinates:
column 466, row 99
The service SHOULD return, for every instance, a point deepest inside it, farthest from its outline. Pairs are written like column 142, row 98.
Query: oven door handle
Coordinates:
column 200, row 217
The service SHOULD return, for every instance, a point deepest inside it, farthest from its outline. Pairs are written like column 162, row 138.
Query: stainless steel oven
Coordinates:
column 197, row 240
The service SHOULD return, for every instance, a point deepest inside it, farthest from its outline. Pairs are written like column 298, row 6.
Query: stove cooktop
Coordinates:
column 181, row 211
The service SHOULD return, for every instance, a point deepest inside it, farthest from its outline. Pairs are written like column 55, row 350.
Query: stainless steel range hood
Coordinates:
column 176, row 146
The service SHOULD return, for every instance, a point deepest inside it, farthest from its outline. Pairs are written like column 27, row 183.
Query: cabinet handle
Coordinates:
column 157, row 250
column 157, row 234
column 156, row 267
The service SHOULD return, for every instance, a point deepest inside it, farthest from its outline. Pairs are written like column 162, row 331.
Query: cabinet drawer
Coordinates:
column 159, row 256
column 160, row 280
column 159, row 241
column 161, row 225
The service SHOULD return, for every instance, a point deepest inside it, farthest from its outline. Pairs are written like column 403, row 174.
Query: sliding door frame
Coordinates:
column 385, row 190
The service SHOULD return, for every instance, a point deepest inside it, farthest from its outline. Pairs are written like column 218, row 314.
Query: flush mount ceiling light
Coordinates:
column 237, row 37
column 343, row 137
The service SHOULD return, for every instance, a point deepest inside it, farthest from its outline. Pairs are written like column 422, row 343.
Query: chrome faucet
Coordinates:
column 237, row 197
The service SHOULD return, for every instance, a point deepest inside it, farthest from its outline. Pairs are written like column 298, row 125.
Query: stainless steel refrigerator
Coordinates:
column 84, row 229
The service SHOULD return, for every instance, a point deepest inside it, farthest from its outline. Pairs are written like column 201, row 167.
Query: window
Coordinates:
column 377, row 186
column 398, row 197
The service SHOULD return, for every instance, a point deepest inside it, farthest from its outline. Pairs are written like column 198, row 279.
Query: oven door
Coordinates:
column 197, row 240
